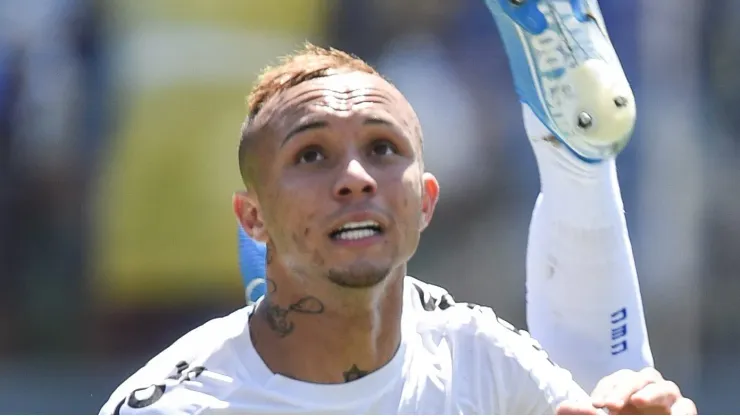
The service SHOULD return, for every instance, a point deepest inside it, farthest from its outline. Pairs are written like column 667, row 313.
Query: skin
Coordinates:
column 628, row 392
column 331, row 150
column 347, row 147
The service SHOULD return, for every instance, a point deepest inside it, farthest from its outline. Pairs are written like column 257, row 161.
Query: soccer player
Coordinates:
column 331, row 156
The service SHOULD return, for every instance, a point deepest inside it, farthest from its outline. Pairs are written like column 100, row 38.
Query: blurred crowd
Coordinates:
column 118, row 131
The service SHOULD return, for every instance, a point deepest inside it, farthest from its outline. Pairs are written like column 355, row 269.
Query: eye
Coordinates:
column 383, row 148
column 310, row 155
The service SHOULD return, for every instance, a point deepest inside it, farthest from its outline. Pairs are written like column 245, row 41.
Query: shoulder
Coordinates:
column 505, row 360
column 437, row 313
column 436, row 310
column 187, row 377
column 422, row 296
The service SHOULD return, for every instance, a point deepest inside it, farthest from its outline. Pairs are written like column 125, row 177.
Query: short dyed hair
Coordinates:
column 306, row 64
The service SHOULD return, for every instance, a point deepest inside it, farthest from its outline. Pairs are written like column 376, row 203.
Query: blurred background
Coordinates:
column 119, row 124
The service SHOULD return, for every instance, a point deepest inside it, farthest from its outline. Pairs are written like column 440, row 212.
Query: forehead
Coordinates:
column 340, row 95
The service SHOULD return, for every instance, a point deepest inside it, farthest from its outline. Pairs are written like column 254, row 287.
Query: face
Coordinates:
column 340, row 190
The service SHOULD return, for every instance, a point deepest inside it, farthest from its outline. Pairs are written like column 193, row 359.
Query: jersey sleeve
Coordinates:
column 188, row 388
column 194, row 374
column 532, row 383
column 514, row 373
column 165, row 398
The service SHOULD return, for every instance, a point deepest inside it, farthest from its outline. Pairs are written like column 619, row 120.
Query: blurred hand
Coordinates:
column 628, row 392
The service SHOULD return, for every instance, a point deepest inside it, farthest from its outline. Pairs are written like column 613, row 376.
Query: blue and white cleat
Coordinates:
column 566, row 70
column 252, row 264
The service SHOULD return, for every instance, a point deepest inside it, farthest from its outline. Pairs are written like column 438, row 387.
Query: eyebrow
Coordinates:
column 323, row 124
column 304, row 127
column 375, row 120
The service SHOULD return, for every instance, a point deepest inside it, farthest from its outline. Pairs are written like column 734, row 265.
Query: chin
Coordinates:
column 359, row 276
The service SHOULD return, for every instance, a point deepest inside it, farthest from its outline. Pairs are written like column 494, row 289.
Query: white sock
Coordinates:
column 583, row 297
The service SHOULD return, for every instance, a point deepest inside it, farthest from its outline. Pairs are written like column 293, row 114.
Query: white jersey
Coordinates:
column 454, row 358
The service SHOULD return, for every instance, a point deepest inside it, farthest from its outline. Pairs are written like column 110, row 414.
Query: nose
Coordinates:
column 355, row 181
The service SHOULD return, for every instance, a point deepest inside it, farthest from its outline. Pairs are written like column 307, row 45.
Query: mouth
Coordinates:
column 356, row 230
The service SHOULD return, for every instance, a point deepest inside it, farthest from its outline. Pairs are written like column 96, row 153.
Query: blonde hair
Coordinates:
column 306, row 64
column 309, row 63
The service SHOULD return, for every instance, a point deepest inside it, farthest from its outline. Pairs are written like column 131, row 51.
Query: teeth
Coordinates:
column 356, row 234
column 359, row 225
column 356, row 230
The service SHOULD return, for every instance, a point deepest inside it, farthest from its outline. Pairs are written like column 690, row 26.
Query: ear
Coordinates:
column 429, row 198
column 249, row 214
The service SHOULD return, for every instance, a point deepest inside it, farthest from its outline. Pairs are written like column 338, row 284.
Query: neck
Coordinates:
column 328, row 335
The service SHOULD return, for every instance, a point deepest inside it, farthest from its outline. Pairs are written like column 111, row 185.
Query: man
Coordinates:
column 584, row 302
column 331, row 156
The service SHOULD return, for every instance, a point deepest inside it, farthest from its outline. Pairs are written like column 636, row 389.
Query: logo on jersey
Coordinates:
column 147, row 396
